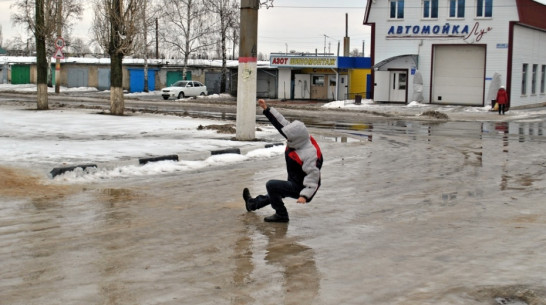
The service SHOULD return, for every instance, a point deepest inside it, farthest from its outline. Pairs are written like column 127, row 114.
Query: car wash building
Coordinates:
column 303, row 77
column 457, row 52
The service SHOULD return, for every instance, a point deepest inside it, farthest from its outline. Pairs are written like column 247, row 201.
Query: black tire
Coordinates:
column 165, row 97
column 181, row 95
column 202, row 94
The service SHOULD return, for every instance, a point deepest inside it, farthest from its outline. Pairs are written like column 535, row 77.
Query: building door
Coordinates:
column 104, row 79
column 174, row 76
column 458, row 74
column 20, row 74
column 77, row 77
column 302, row 86
column 398, row 86
column 343, row 88
column 381, row 86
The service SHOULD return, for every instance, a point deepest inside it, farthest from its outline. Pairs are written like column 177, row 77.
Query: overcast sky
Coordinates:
column 300, row 25
column 291, row 24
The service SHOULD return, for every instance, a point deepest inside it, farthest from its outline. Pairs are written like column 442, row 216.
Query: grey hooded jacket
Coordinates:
column 303, row 155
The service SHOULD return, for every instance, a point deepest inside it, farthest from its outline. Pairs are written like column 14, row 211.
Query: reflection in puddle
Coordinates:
column 267, row 257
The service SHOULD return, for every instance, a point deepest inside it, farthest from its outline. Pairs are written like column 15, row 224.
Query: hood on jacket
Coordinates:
column 296, row 133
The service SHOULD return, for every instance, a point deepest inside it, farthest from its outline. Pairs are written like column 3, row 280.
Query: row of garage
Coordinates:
column 75, row 75
column 345, row 78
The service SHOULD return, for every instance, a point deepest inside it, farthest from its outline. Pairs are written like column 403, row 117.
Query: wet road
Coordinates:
column 408, row 213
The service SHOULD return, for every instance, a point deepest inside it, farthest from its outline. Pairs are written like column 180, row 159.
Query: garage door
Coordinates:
column 77, row 77
column 458, row 75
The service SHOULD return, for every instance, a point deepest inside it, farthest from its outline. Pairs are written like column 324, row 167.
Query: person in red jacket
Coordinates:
column 502, row 100
column 303, row 164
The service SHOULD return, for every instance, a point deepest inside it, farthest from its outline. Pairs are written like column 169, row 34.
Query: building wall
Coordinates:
column 357, row 82
column 408, row 37
column 532, row 52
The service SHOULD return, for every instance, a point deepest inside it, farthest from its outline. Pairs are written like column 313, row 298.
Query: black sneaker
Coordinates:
column 247, row 197
column 276, row 218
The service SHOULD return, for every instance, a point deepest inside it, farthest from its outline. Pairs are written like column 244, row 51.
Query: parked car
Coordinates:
column 184, row 88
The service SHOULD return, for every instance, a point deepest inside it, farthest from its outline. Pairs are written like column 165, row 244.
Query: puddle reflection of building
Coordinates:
column 300, row 276
column 504, row 128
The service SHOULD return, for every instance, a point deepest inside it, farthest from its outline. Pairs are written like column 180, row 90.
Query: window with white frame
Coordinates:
column 543, row 80
column 484, row 8
column 430, row 9
column 524, row 69
column 456, row 8
column 396, row 9
column 534, row 80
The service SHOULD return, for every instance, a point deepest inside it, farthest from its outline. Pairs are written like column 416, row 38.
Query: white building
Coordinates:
column 458, row 52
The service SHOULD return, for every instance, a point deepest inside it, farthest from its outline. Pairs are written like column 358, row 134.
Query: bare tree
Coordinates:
column 59, row 16
column 79, row 47
column 116, row 25
column 148, row 22
column 227, row 22
column 40, row 33
column 186, row 27
column 356, row 53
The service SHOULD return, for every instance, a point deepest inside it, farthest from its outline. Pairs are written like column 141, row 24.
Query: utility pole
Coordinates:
column 156, row 38
column 145, row 26
column 59, row 34
column 346, row 40
column 247, row 72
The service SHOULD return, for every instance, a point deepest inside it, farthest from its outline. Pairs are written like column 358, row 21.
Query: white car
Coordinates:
column 184, row 88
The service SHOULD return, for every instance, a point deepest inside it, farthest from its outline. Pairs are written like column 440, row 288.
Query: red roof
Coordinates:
column 532, row 13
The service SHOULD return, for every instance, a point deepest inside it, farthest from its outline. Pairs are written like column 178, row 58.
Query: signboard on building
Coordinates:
column 303, row 61
column 473, row 32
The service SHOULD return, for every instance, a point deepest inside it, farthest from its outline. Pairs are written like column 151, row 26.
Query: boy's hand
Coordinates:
column 262, row 104
column 302, row 200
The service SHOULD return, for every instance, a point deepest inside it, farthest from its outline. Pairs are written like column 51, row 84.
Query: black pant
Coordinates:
column 276, row 191
column 502, row 107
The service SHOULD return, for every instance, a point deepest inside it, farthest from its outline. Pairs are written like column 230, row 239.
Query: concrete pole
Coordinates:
column 346, row 40
column 248, row 71
column 59, row 34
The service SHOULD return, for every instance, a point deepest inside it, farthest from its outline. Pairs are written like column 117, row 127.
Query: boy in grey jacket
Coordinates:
column 303, row 163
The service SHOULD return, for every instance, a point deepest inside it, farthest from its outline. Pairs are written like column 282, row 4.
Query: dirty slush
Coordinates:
column 408, row 213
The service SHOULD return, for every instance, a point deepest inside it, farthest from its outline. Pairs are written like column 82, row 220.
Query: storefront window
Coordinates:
column 318, row 80
column 430, row 9
column 456, row 8
column 524, row 79
column 484, row 8
column 397, row 9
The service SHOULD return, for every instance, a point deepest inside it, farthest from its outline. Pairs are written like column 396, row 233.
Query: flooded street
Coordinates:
column 408, row 213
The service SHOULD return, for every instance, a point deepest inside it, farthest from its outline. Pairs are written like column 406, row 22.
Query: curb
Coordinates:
column 142, row 161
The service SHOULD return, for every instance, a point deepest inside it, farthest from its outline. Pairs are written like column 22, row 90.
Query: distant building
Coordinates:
column 321, row 77
column 458, row 52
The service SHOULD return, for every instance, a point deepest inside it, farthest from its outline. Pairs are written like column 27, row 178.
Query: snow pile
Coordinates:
column 60, row 138
column 347, row 104
column 32, row 88
column 164, row 167
column 416, row 104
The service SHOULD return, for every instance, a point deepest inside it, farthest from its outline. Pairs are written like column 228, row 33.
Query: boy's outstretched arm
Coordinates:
column 274, row 117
